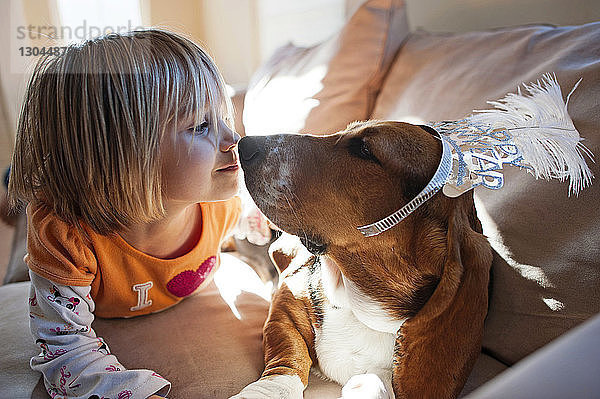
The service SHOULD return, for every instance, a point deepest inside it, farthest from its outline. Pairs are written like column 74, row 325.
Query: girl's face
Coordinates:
column 200, row 164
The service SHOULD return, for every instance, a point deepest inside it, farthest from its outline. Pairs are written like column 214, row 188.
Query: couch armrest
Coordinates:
column 566, row 368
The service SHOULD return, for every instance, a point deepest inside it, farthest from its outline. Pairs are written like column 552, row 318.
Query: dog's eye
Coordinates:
column 359, row 148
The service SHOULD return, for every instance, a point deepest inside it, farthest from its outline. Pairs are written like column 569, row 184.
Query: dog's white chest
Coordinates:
column 346, row 347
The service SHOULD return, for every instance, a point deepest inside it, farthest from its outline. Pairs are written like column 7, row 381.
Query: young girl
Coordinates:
column 127, row 159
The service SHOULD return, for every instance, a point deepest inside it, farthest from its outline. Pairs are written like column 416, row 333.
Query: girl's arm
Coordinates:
column 75, row 363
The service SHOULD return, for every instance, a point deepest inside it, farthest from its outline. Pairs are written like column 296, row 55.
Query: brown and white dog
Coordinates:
column 399, row 314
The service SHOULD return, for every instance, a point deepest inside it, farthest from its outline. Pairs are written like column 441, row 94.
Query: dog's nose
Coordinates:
column 251, row 148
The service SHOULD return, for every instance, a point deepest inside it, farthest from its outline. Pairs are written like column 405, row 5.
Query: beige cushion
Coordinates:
column 322, row 88
column 17, row 380
column 546, row 269
column 16, row 270
column 199, row 345
column 208, row 346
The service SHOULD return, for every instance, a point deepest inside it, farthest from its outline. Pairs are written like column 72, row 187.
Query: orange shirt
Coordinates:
column 124, row 281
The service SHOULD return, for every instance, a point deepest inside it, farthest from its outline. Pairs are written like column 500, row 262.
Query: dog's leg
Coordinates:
column 273, row 387
column 369, row 386
column 288, row 345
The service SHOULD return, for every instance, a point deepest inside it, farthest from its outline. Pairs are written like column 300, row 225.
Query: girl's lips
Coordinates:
column 230, row 168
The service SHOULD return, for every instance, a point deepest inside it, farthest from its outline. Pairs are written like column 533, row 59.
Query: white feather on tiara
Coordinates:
column 531, row 131
column 543, row 131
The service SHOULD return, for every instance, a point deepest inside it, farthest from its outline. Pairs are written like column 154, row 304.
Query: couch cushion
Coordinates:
column 208, row 346
column 484, row 370
column 546, row 269
column 17, row 380
column 199, row 345
column 16, row 269
column 321, row 89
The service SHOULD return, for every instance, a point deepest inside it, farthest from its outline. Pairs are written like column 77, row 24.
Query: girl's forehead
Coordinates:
column 192, row 115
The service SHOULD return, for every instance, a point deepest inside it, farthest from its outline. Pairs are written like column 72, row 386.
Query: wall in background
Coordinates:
column 231, row 36
column 242, row 34
column 12, row 79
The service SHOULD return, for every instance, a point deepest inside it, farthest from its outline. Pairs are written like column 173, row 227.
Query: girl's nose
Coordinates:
column 229, row 138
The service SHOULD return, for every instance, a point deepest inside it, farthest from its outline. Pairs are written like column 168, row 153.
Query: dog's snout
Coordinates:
column 251, row 148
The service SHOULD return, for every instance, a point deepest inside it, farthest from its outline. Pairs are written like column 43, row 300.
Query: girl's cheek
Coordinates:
column 198, row 151
column 201, row 156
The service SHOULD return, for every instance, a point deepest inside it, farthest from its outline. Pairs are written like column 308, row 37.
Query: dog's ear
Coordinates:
column 436, row 349
column 430, row 130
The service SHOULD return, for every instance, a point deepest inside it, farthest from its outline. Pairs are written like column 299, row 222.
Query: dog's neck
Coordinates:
column 400, row 279
column 343, row 293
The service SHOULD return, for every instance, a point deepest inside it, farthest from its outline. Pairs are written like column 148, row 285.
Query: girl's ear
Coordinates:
column 436, row 349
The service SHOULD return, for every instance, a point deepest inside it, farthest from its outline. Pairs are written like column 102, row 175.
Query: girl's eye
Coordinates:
column 201, row 128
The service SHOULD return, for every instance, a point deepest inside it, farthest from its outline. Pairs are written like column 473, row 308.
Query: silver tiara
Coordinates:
column 533, row 132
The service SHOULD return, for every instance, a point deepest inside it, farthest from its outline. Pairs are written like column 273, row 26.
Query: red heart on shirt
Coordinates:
column 188, row 281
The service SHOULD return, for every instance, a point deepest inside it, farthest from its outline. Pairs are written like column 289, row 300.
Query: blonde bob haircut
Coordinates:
column 94, row 118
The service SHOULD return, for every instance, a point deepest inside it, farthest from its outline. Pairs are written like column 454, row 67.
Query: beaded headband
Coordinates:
column 531, row 132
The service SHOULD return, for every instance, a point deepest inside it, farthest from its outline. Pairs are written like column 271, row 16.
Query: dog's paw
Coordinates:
column 366, row 386
column 273, row 387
